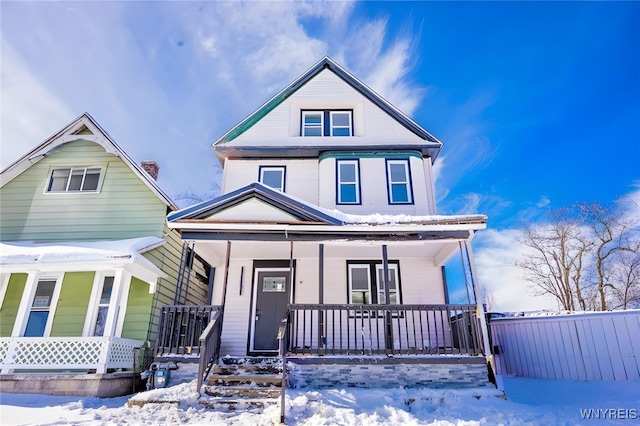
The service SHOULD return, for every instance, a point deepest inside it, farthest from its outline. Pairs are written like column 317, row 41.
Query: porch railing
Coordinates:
column 384, row 329
column 209, row 346
column 67, row 353
column 180, row 329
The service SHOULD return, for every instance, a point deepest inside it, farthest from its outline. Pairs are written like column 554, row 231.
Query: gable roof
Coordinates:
column 86, row 128
column 328, row 63
column 299, row 209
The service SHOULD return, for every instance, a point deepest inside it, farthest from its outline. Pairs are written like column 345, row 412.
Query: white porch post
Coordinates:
column 27, row 296
column 114, row 303
column 479, row 305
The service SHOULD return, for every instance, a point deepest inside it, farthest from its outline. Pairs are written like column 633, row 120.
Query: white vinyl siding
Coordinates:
column 373, row 192
column 301, row 176
column 282, row 127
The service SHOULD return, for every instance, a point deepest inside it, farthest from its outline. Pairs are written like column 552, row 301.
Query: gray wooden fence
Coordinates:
column 585, row 347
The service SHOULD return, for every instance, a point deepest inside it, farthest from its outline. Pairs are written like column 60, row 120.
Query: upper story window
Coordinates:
column 74, row 179
column 272, row 176
column 348, row 182
column 327, row 123
column 399, row 182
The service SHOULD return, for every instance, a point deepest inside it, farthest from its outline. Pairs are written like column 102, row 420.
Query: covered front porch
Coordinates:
column 315, row 319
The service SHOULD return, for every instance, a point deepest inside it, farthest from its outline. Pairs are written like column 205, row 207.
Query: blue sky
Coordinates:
column 538, row 104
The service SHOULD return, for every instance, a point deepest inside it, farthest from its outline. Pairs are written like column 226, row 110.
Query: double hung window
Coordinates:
column 348, row 180
column 272, row 176
column 366, row 282
column 399, row 182
column 327, row 123
column 74, row 179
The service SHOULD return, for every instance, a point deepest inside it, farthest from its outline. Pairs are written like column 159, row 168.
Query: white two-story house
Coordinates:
column 327, row 226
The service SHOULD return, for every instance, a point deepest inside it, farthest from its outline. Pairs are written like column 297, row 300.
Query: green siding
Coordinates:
column 71, row 310
column 167, row 258
column 124, row 208
column 136, row 321
column 15, row 288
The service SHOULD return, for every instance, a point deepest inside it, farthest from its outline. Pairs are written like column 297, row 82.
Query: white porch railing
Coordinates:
column 56, row 353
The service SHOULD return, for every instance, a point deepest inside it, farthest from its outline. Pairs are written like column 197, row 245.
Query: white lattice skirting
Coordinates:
column 55, row 353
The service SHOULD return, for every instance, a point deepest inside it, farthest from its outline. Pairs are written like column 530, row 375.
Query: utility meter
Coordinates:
column 161, row 378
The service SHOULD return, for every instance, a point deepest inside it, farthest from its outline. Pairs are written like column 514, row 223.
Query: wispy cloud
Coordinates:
column 495, row 255
column 177, row 76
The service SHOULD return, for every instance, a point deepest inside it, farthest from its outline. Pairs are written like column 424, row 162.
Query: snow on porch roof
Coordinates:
column 309, row 211
column 92, row 253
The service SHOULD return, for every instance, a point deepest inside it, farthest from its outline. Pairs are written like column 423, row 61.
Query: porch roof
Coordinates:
column 311, row 222
column 21, row 256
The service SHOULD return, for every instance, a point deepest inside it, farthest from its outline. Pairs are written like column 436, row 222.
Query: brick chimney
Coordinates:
column 152, row 168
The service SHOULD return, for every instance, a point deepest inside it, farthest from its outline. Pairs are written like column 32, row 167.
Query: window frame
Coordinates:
column 303, row 123
column 358, row 192
column 332, row 127
column 326, row 122
column 374, row 266
column 50, row 180
column 26, row 303
column 380, row 291
column 98, row 288
column 350, row 267
column 283, row 169
column 408, row 182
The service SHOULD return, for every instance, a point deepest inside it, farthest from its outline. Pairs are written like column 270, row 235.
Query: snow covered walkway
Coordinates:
column 528, row 402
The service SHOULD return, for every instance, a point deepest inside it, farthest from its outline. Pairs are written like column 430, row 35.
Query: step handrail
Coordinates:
column 282, row 338
column 209, row 347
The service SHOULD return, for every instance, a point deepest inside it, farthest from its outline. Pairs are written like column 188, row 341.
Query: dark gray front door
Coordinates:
column 272, row 297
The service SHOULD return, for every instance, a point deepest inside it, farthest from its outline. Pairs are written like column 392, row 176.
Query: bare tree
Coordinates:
column 488, row 297
column 626, row 275
column 189, row 196
column 613, row 234
column 556, row 260
column 586, row 256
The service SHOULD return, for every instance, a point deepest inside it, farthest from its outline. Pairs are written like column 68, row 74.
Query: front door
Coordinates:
column 272, row 292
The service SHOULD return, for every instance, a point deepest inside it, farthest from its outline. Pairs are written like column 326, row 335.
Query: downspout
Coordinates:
column 321, row 293
column 479, row 306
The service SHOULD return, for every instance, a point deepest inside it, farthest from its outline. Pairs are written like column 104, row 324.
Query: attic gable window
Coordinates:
column 74, row 179
column 273, row 176
column 327, row 123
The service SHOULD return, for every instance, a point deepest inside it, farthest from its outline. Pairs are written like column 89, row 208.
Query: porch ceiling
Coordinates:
column 440, row 251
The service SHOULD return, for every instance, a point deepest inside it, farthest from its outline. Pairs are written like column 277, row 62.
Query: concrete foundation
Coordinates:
column 98, row 385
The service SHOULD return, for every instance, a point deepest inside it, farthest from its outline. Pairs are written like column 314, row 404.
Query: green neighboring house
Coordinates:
column 87, row 261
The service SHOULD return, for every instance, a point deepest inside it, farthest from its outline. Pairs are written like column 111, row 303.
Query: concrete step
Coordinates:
column 267, row 360
column 242, row 392
column 258, row 380
column 234, row 369
column 231, row 404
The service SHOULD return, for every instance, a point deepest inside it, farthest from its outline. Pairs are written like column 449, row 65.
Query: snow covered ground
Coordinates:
column 528, row 402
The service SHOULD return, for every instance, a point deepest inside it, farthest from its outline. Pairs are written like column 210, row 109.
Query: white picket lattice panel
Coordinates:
column 38, row 353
